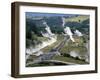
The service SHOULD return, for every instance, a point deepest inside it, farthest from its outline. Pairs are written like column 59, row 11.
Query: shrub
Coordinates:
column 77, row 58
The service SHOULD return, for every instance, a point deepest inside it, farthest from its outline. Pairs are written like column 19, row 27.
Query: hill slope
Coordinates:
column 80, row 18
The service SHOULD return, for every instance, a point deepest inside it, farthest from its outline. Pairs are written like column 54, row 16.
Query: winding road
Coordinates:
column 53, row 52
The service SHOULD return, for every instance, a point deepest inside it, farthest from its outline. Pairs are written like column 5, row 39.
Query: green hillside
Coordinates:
column 80, row 18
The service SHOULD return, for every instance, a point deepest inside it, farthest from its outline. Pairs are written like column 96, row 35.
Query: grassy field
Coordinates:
column 48, row 48
column 77, row 19
column 77, row 46
column 42, row 38
column 70, row 46
column 59, row 58
column 31, row 58
column 65, row 50
column 69, row 59
column 40, row 65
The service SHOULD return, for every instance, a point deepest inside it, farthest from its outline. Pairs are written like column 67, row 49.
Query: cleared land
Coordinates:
column 77, row 19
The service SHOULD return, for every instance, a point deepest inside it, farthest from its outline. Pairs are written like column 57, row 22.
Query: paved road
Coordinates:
column 51, row 53
column 62, row 43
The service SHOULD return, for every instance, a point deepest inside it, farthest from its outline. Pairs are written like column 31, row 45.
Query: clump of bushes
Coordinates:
column 76, row 58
